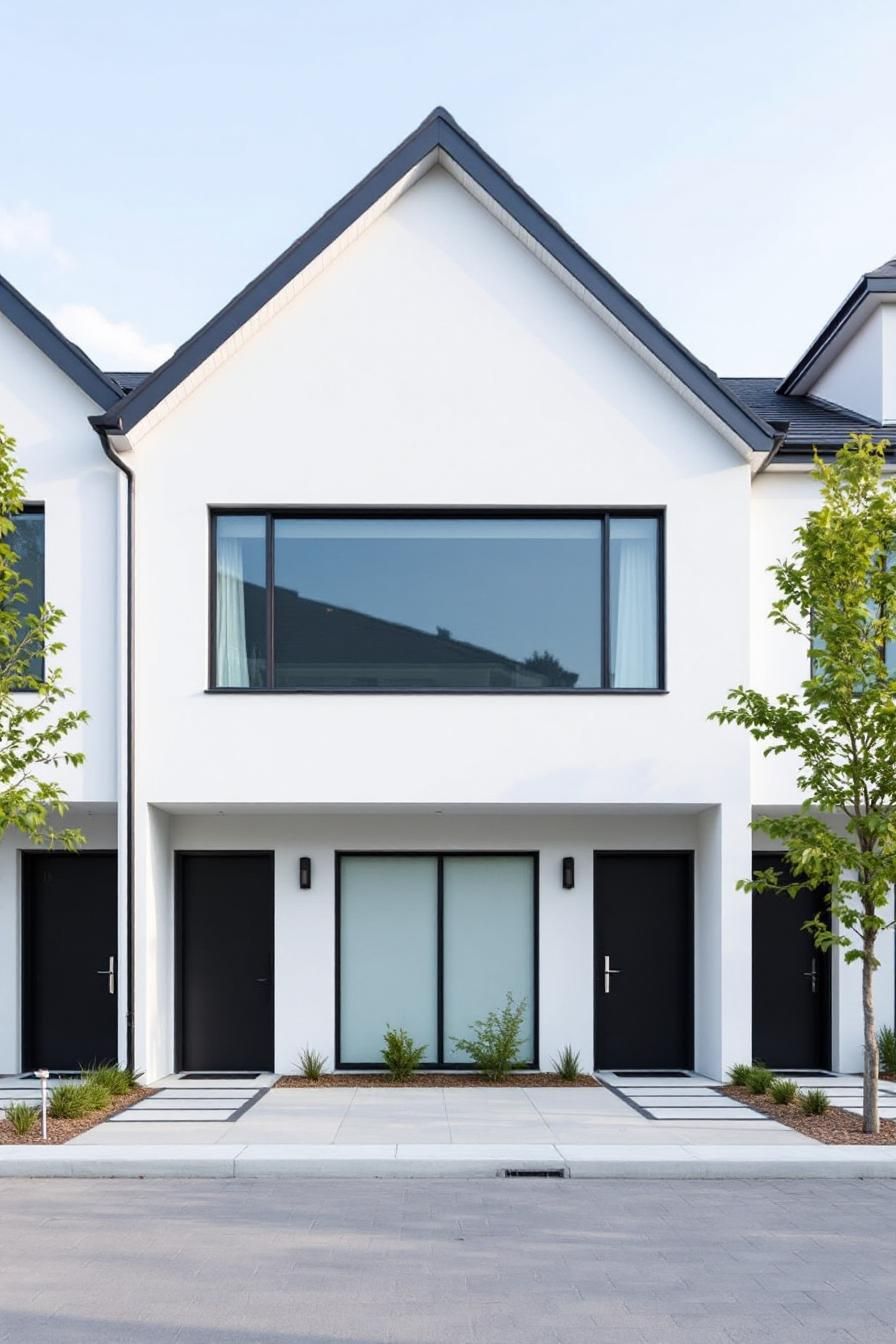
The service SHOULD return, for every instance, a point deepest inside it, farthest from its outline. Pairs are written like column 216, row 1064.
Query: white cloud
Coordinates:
column 112, row 345
column 28, row 232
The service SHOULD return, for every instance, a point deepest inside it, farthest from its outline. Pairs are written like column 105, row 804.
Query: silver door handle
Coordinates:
column 811, row 975
column 111, row 974
column 608, row 971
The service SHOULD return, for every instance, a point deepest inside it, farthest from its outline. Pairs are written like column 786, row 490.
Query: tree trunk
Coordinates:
column 870, row 1115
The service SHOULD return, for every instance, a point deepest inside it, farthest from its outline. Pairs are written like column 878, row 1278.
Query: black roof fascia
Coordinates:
column 67, row 356
column 441, row 131
column 869, row 284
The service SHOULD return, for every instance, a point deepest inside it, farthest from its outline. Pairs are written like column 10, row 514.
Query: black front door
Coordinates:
column 643, row 961
column 226, row 961
column 791, row 979
column 69, row 961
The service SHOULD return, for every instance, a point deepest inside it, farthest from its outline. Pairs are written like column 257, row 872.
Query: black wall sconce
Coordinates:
column 569, row 873
column 304, row 872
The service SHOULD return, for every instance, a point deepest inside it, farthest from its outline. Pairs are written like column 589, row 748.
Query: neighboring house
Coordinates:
column 399, row 597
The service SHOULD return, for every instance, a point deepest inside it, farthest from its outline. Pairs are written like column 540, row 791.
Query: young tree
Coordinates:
column 32, row 729
column 837, row 593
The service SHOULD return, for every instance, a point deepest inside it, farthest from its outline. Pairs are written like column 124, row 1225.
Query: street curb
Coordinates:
column 403, row 1161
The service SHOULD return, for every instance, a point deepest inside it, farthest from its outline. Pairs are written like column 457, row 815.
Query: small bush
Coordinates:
column 886, row 1044
column 68, row 1102
column 401, row 1055
column 116, row 1081
column 311, row 1063
column 739, row 1074
column 760, row 1080
column 496, row 1041
column 94, row 1095
column 22, row 1116
column 783, row 1090
column 568, row 1065
column 815, row 1101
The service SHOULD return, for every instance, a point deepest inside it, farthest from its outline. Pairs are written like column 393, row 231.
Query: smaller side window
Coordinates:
column 28, row 543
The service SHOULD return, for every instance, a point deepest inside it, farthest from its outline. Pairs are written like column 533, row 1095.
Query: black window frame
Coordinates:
column 32, row 508
column 604, row 515
column 438, row 1065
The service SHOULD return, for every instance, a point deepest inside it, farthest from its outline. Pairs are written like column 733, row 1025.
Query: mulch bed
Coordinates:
column 434, row 1080
column 60, row 1131
column 835, row 1126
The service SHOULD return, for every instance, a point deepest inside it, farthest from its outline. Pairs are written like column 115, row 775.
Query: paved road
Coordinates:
column 470, row 1262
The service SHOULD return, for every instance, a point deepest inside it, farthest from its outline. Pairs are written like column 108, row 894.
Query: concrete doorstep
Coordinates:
column 581, row 1161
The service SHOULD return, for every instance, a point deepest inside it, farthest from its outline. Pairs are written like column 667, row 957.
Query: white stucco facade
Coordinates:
column 435, row 362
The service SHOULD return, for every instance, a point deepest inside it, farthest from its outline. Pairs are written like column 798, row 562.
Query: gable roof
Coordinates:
column 440, row 135
column 855, row 308
column 804, row 422
column 67, row 356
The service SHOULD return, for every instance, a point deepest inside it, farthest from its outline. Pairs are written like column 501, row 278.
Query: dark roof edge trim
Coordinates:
column 441, row 131
column 67, row 356
column 868, row 285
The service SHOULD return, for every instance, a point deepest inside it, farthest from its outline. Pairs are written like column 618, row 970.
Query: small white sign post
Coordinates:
column 43, row 1075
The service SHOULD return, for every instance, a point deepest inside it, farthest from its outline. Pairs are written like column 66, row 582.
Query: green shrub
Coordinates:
column 568, row 1065
column 886, row 1044
column 815, row 1101
column 117, row 1081
column 311, row 1063
column 68, row 1102
column 760, row 1079
column 22, row 1116
column 739, row 1074
column 400, row 1054
column 94, row 1095
column 496, row 1041
column 783, row 1090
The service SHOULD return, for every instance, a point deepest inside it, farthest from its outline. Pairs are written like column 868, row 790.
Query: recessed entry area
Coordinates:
column 430, row 943
column 791, row 977
column 224, row 939
column 643, row 961
column 69, row 960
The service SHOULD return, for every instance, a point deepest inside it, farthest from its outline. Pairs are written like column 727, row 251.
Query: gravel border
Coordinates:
column 60, row 1131
column 836, row 1126
column 434, row 1080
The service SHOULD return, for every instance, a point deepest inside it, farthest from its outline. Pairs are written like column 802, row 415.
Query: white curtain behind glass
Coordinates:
column 232, row 662
column 633, row 602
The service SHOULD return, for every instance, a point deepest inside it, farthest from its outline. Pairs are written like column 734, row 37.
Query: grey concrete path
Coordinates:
column 371, row 1262
column 358, row 1116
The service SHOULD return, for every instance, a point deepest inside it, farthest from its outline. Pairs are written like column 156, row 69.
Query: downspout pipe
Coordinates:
column 116, row 460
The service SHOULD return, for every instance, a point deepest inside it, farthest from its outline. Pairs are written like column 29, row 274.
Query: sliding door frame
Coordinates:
column 439, row 1064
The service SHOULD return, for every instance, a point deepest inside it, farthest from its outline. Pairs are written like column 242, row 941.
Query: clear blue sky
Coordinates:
column 731, row 163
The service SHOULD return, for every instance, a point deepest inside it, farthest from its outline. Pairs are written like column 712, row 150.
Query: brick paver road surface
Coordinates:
column 468, row 1262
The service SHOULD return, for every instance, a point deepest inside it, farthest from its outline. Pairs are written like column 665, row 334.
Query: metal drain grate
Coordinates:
column 547, row 1173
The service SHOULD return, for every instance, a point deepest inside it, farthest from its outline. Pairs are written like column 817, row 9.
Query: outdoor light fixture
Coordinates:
column 569, row 873
column 304, row 872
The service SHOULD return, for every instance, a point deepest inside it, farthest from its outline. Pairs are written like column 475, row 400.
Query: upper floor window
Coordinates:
column 437, row 602
column 28, row 543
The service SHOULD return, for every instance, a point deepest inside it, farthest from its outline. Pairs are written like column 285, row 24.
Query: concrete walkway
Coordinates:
column 359, row 1116
column 240, row 1127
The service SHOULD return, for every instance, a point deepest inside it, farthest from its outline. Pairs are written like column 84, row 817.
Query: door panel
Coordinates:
column 225, row 909
column 643, row 969
column 70, row 942
column 791, row 979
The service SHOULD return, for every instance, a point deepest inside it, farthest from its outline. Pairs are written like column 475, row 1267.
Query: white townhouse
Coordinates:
column 399, row 597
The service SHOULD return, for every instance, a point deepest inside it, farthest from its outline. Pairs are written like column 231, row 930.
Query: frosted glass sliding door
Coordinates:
column 431, row 943
column 388, row 953
column 489, row 942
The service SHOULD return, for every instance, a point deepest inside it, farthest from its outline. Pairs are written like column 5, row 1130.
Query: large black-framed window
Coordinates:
column 28, row 542
column 431, row 941
column 437, row 601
